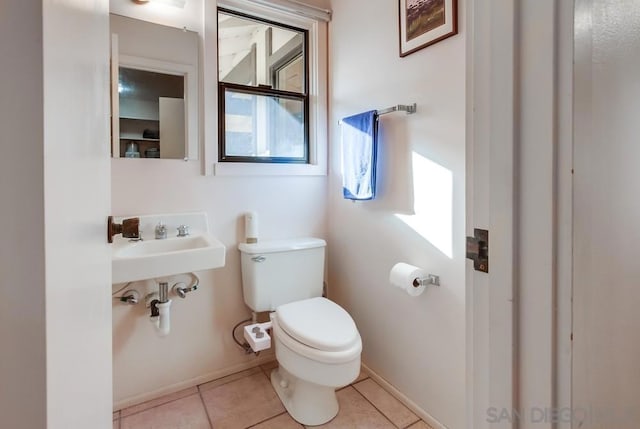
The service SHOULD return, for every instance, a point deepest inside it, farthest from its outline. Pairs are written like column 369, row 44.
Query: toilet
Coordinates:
column 317, row 343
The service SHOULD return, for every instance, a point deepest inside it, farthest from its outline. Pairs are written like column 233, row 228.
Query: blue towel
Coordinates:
column 359, row 148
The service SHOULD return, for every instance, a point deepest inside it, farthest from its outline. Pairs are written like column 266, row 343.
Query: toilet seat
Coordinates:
column 327, row 357
column 318, row 323
column 317, row 329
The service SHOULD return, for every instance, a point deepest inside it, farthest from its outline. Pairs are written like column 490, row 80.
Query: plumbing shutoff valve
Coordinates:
column 257, row 336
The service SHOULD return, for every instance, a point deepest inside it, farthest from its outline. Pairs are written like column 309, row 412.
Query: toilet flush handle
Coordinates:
column 258, row 259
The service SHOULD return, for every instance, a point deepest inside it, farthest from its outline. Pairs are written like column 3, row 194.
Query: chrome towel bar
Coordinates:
column 399, row 108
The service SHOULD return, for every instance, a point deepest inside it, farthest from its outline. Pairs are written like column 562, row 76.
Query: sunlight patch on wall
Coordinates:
column 432, row 203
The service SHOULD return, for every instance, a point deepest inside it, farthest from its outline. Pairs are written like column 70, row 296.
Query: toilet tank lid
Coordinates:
column 281, row 245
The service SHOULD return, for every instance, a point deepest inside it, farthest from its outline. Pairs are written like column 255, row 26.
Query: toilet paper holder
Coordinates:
column 431, row 279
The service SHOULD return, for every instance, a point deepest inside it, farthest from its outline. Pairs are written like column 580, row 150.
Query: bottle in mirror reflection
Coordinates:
column 132, row 150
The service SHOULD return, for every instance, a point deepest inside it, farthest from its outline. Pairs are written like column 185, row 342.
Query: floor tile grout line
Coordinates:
column 266, row 420
column 160, row 405
column 157, row 405
column 237, row 379
column 378, row 410
column 206, row 411
column 353, row 384
column 385, row 390
column 412, row 423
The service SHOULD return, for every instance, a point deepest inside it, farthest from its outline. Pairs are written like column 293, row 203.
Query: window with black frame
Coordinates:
column 263, row 98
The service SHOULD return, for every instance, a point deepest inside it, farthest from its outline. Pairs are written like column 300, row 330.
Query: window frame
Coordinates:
column 317, row 92
column 265, row 91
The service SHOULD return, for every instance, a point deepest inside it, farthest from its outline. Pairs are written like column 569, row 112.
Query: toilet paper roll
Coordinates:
column 251, row 227
column 404, row 276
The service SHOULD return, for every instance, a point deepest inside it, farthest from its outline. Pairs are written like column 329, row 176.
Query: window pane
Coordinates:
column 264, row 126
column 250, row 51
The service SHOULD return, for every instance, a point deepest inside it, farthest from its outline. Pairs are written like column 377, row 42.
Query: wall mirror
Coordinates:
column 154, row 90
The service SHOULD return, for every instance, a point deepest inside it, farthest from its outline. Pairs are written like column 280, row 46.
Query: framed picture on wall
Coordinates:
column 425, row 22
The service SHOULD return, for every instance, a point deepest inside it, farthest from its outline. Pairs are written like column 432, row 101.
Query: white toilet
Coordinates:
column 317, row 343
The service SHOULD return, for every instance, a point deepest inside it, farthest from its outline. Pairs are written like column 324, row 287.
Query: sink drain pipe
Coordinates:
column 161, row 311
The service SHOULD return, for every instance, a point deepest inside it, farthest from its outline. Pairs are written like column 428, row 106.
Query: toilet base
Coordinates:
column 308, row 403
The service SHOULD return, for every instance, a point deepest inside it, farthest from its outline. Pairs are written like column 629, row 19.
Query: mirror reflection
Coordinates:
column 151, row 114
column 154, row 90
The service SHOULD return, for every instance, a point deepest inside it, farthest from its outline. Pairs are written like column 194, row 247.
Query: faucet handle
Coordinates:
column 183, row 230
column 161, row 231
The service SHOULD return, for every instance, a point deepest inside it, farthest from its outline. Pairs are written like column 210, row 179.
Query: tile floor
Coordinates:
column 247, row 400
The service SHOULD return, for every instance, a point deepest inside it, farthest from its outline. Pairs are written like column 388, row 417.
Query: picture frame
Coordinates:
column 425, row 22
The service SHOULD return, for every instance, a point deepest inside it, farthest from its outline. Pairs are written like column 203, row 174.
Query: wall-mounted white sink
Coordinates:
column 151, row 258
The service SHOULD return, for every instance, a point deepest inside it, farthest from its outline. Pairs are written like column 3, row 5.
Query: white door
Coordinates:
column 606, row 287
column 490, row 206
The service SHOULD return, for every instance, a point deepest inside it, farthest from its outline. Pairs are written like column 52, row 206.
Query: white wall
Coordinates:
column 417, row 344
column 22, row 303
column 190, row 16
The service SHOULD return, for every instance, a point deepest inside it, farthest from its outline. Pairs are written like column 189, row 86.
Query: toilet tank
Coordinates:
column 283, row 271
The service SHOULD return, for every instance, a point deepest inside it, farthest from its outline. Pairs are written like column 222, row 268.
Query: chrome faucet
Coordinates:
column 161, row 231
column 183, row 230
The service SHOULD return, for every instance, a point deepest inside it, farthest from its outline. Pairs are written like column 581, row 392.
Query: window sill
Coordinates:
column 255, row 169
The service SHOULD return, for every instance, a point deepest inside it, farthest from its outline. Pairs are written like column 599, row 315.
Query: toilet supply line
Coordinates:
column 244, row 346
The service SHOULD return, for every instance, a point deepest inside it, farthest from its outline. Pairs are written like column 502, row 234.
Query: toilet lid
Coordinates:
column 318, row 323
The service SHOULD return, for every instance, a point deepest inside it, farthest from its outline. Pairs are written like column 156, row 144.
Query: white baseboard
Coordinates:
column 167, row 390
column 435, row 424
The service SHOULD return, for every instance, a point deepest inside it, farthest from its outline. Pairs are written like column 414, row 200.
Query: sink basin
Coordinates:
column 151, row 258
column 154, row 247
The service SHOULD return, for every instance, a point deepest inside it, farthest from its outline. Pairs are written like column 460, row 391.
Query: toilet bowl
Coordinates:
column 318, row 350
